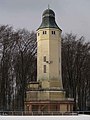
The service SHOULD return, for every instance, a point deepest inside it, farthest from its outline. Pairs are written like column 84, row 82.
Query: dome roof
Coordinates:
column 48, row 20
column 48, row 12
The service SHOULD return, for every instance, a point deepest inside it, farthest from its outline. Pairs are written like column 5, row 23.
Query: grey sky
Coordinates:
column 71, row 15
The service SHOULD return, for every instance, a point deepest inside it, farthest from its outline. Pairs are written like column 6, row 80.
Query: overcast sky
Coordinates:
column 71, row 15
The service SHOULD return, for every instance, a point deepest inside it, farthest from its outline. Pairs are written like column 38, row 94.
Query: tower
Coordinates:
column 47, row 93
column 49, row 51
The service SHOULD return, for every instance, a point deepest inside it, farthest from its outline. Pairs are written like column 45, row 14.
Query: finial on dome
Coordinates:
column 48, row 6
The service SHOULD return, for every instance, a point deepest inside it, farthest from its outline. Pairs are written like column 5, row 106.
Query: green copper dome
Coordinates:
column 48, row 12
column 48, row 20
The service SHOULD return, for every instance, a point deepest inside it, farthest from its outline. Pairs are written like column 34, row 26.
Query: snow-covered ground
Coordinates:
column 77, row 117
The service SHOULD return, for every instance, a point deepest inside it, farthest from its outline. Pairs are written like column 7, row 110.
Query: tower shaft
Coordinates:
column 49, row 56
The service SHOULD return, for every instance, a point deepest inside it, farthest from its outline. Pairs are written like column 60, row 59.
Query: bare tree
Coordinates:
column 17, row 66
column 75, row 64
column 24, row 63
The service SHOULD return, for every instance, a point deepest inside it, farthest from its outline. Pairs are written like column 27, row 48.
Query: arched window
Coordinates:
column 38, row 34
column 45, row 32
column 53, row 32
column 44, row 58
column 44, row 70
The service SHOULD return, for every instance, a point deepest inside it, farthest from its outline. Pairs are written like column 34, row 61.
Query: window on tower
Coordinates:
column 44, row 58
column 44, row 32
column 44, row 69
column 38, row 34
column 53, row 32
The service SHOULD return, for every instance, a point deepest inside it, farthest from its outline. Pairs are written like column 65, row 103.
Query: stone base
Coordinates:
column 47, row 99
column 62, row 106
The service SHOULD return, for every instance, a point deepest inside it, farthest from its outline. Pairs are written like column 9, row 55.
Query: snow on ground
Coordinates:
column 77, row 117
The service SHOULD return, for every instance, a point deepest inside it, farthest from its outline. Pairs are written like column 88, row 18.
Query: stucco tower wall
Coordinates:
column 49, row 45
